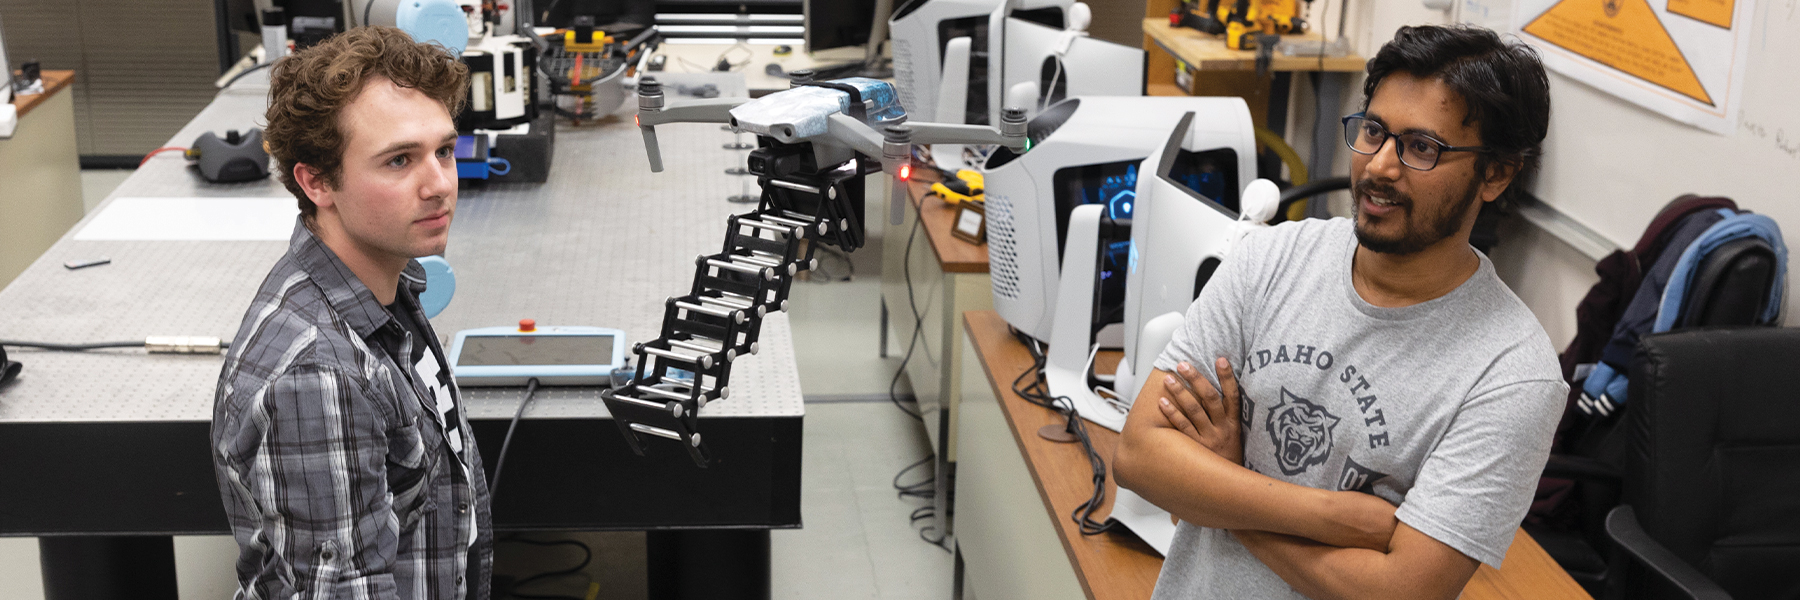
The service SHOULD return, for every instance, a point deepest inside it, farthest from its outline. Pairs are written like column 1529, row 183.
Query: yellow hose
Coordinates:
column 1296, row 168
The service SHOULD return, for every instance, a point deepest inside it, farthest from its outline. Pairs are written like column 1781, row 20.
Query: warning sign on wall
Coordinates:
column 1683, row 59
column 1716, row 12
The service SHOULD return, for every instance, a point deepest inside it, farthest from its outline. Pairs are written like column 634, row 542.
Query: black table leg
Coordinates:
column 721, row 564
column 108, row 568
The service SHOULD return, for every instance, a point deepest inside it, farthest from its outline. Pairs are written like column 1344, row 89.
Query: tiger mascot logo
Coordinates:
column 1301, row 432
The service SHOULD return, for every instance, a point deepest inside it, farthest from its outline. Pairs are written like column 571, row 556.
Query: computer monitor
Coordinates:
column 838, row 23
column 611, row 16
column 841, row 23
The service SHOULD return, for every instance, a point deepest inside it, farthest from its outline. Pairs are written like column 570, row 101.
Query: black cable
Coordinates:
column 912, row 301
column 923, row 489
column 494, row 483
column 72, row 347
column 81, row 347
column 928, row 512
column 588, row 556
column 926, row 489
column 1038, row 393
column 918, row 326
column 244, row 72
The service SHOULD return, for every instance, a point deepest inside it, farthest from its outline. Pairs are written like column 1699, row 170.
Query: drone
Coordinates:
column 816, row 141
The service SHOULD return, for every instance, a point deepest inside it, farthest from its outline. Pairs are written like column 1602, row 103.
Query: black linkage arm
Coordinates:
column 718, row 321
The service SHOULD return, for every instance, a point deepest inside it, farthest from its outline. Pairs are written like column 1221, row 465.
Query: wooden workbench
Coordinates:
column 54, row 81
column 1212, row 69
column 954, row 255
column 1208, row 52
column 1117, row 565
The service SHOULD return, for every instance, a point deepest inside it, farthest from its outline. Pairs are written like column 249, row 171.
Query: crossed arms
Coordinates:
column 1182, row 449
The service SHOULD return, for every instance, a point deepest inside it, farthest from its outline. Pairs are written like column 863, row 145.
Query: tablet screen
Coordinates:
column 521, row 350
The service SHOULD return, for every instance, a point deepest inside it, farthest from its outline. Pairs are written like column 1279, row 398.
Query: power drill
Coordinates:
column 965, row 186
column 1243, row 20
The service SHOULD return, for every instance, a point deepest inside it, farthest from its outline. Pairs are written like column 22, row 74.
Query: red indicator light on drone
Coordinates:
column 637, row 120
column 906, row 171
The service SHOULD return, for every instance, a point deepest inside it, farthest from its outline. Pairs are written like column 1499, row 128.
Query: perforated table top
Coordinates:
column 603, row 243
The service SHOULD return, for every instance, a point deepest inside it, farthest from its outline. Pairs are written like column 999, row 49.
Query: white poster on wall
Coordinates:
column 1682, row 58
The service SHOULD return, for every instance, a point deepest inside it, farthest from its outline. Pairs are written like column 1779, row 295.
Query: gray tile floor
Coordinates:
column 857, row 541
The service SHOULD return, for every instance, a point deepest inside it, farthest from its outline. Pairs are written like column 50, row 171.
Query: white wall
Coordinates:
column 1610, row 164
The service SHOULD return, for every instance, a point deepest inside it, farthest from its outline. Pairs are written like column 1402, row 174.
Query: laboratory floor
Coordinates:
column 858, row 540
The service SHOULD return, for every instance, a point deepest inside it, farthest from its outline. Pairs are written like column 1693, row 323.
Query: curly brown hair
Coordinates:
column 309, row 89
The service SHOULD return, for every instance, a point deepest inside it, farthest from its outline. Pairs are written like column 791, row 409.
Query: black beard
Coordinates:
column 1442, row 225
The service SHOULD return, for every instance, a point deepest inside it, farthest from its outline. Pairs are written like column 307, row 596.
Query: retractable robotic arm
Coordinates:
column 816, row 142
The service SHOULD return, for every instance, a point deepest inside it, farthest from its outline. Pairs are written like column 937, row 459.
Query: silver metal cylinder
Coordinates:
column 643, row 403
column 658, row 431
column 794, row 186
column 745, row 269
column 705, row 310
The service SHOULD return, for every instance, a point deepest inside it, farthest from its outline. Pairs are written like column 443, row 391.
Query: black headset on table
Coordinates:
column 8, row 369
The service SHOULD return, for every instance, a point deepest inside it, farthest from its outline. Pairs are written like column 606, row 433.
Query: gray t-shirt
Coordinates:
column 1444, row 408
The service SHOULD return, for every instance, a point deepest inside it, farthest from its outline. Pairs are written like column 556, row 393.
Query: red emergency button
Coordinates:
column 527, row 325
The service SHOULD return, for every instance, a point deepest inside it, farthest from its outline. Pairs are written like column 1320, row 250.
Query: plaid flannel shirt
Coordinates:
column 333, row 462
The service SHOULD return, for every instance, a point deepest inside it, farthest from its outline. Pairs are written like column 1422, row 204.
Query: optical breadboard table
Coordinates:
column 115, row 442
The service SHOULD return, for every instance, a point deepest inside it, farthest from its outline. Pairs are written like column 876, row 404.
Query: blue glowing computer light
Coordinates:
column 1118, row 193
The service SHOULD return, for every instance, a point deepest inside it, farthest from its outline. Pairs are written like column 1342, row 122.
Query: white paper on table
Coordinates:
column 193, row 219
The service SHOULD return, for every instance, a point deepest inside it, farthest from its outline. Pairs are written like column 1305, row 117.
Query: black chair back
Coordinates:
column 1731, row 285
column 1713, row 468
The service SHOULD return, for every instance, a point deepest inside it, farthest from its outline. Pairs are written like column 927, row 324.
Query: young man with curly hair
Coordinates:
column 1360, row 408
column 345, row 460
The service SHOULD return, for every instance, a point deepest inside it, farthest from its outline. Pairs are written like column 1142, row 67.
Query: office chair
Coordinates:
column 1711, row 498
column 1729, row 289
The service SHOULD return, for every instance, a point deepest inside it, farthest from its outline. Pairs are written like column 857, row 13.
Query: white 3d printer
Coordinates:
column 934, row 41
column 1092, row 150
column 1183, row 225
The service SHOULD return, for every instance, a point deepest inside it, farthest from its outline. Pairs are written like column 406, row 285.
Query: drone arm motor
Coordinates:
column 652, row 112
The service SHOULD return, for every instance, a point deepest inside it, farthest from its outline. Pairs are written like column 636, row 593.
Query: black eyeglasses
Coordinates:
column 1417, row 150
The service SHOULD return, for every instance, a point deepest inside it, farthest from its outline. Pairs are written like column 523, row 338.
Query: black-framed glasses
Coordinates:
column 1417, row 150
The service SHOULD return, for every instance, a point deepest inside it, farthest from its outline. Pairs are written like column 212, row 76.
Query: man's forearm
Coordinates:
column 1317, row 570
column 1204, row 489
column 1417, row 568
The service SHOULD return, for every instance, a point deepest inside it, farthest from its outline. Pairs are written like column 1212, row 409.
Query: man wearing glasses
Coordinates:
column 1360, row 407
